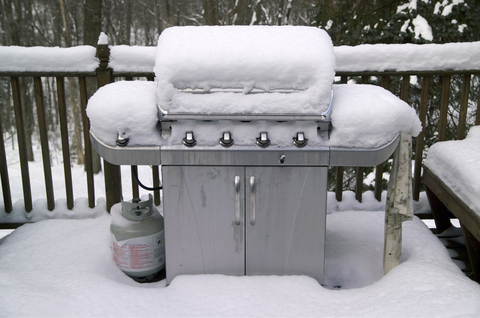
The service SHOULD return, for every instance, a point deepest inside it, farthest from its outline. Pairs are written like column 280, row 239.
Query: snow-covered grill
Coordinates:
column 241, row 129
column 235, row 77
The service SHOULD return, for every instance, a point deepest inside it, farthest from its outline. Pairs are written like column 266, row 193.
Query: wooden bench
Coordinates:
column 443, row 201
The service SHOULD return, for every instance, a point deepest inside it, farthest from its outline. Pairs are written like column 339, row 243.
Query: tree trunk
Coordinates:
column 210, row 12
column 128, row 22
column 158, row 16
column 240, row 13
column 92, row 21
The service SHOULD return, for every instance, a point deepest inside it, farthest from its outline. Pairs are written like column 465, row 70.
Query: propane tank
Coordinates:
column 138, row 239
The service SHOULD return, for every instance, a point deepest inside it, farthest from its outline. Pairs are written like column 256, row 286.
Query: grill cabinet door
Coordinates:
column 202, row 233
column 288, row 236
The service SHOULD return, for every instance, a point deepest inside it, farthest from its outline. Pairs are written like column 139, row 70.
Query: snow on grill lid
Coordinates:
column 292, row 66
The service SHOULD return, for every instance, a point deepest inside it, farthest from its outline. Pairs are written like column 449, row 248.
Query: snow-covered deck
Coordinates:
column 64, row 268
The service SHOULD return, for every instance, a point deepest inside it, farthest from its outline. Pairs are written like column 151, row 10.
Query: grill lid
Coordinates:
column 245, row 73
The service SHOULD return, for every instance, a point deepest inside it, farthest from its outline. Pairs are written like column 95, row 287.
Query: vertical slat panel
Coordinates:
column 442, row 125
column 113, row 184
column 477, row 120
column 82, row 83
column 155, row 170
column 62, row 111
column 42, row 128
column 156, row 184
column 112, row 173
column 379, row 168
column 405, row 88
column 359, row 184
column 339, row 172
column 462, row 120
column 7, row 194
column 339, row 184
column 22, row 148
column 359, row 170
column 378, row 182
column 421, row 138
column 135, row 190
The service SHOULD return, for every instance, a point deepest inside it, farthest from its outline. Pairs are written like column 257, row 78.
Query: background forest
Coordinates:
column 349, row 22
column 68, row 23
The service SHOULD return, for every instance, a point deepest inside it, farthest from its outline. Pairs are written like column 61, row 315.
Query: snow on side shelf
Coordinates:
column 246, row 58
column 363, row 116
column 66, row 268
column 48, row 59
column 125, row 107
column 457, row 163
column 368, row 116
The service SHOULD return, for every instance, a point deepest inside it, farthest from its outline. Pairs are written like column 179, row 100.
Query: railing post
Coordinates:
column 113, row 180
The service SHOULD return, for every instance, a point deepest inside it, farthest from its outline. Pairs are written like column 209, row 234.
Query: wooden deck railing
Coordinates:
column 113, row 191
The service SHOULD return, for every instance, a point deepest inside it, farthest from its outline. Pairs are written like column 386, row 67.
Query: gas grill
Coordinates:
column 244, row 185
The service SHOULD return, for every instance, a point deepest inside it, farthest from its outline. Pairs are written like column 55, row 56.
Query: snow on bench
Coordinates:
column 452, row 180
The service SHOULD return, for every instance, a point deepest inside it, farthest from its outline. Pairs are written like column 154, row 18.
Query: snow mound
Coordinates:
column 407, row 57
column 363, row 116
column 126, row 107
column 125, row 58
column 368, row 116
column 48, row 59
column 266, row 58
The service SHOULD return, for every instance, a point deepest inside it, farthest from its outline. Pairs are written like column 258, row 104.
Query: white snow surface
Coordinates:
column 246, row 58
column 125, row 107
column 48, row 59
column 367, row 57
column 363, row 116
column 457, row 164
column 407, row 57
column 125, row 58
column 62, row 266
column 368, row 116
column 65, row 268
column 422, row 28
column 102, row 39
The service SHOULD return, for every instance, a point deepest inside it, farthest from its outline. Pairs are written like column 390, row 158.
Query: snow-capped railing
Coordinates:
column 116, row 62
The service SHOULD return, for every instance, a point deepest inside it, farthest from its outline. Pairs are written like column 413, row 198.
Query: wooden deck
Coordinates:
column 455, row 244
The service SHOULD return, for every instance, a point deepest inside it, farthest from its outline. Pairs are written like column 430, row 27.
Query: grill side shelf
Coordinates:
column 362, row 157
column 147, row 155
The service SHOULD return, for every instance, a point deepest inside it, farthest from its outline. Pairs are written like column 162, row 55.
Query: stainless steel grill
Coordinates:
column 243, row 193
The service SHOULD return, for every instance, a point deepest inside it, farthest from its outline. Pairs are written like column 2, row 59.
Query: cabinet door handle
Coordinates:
column 237, row 200
column 252, row 200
